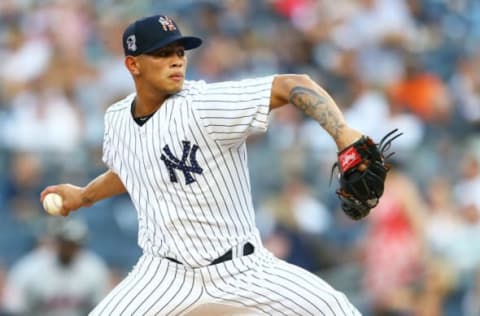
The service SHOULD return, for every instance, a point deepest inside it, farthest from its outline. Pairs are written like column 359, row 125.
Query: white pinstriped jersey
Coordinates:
column 186, row 172
column 186, row 167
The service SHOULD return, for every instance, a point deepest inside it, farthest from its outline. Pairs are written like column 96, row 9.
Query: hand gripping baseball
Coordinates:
column 362, row 173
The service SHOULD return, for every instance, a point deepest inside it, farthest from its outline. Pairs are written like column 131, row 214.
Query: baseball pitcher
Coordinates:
column 177, row 147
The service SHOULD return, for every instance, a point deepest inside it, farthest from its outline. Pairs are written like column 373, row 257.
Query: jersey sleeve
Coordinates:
column 230, row 111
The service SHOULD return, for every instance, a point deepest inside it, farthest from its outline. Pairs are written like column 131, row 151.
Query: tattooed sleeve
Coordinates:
column 320, row 107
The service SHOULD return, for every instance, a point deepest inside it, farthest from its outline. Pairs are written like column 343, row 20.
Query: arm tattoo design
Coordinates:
column 87, row 201
column 319, row 108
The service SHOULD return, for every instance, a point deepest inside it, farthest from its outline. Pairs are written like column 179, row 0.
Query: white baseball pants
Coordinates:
column 257, row 284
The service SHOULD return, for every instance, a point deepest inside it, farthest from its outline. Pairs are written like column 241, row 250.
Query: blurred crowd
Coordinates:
column 407, row 64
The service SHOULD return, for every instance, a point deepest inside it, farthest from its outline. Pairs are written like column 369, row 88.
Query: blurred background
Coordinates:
column 407, row 64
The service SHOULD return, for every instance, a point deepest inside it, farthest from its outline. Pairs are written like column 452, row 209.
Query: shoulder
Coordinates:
column 122, row 105
column 236, row 87
column 235, row 82
column 241, row 83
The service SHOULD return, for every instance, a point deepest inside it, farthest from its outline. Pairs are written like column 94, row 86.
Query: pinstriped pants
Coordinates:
column 257, row 284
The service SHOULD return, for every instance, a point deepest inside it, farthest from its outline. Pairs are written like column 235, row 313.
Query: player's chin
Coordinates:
column 175, row 86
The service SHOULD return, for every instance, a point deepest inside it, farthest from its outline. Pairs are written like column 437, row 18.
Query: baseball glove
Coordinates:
column 362, row 171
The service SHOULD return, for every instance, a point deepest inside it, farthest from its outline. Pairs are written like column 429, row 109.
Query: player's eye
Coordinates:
column 180, row 52
column 162, row 53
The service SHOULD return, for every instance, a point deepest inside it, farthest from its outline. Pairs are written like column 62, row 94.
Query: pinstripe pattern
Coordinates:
column 198, row 220
column 258, row 284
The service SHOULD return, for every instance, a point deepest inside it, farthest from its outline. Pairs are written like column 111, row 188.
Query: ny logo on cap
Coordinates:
column 131, row 43
column 167, row 23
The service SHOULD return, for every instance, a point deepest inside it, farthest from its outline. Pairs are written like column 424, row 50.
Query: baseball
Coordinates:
column 53, row 203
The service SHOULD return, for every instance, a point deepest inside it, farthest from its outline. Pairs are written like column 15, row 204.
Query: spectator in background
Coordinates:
column 3, row 277
column 294, row 223
column 378, row 30
column 18, row 66
column 444, row 222
column 42, row 119
column 62, row 279
column 465, row 255
column 433, row 290
column 372, row 102
column 25, row 177
column 471, row 302
column 376, row 23
column 467, row 188
column 422, row 93
column 442, row 232
column 465, row 86
column 368, row 102
column 394, row 245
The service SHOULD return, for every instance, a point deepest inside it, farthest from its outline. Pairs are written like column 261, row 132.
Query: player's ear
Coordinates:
column 132, row 65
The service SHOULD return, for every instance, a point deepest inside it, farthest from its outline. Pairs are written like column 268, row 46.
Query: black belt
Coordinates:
column 247, row 250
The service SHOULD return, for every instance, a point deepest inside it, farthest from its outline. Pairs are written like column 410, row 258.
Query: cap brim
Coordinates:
column 188, row 42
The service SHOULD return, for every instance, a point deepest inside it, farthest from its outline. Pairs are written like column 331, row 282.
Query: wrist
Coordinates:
column 347, row 137
column 86, row 197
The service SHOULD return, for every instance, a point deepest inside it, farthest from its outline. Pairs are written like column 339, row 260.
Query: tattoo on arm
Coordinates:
column 319, row 107
column 87, row 201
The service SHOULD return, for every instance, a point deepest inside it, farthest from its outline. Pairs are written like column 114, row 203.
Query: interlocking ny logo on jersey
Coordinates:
column 172, row 162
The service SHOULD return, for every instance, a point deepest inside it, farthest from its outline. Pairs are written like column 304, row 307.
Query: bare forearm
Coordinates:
column 317, row 104
column 314, row 101
column 104, row 186
column 74, row 197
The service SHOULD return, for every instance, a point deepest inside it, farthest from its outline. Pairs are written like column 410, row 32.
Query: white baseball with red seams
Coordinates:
column 53, row 204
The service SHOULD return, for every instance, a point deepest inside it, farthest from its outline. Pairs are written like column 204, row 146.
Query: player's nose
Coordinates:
column 178, row 61
column 177, row 64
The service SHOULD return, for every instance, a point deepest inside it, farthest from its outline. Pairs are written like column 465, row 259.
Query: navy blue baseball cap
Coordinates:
column 151, row 33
